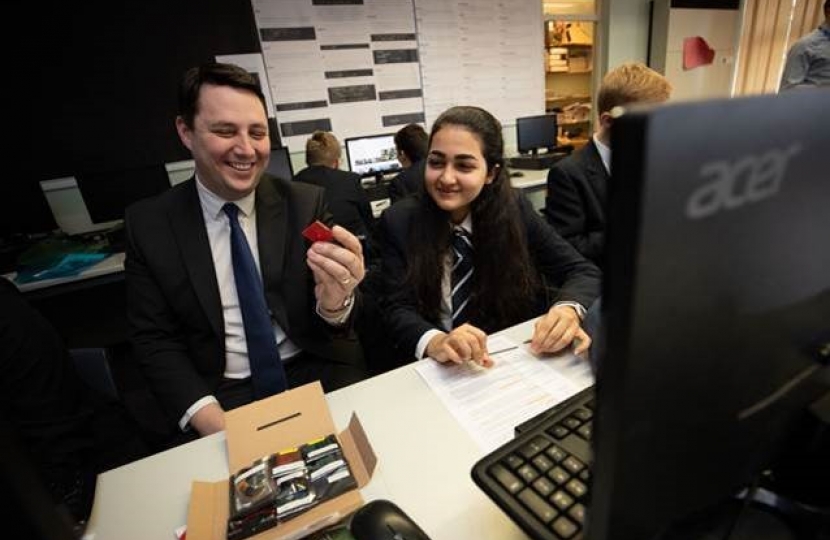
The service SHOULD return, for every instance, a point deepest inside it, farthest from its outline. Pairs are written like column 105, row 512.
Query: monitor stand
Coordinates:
column 535, row 161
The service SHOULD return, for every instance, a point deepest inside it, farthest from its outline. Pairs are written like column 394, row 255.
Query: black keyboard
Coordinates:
column 542, row 477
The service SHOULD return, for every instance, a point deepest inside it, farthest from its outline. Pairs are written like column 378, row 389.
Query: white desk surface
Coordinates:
column 112, row 264
column 424, row 463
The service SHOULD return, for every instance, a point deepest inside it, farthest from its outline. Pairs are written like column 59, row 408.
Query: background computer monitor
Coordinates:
column 280, row 164
column 535, row 132
column 107, row 194
column 716, row 300
column 372, row 155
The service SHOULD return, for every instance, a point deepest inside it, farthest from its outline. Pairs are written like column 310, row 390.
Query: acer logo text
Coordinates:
column 733, row 184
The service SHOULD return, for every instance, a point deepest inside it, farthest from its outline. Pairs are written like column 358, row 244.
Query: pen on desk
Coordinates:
column 513, row 348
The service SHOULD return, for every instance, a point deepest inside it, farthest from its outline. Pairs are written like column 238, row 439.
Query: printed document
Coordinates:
column 490, row 402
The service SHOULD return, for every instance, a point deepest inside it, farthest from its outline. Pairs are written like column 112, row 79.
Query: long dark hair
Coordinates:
column 505, row 278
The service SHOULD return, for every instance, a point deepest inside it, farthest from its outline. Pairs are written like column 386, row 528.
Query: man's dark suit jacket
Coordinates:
column 566, row 275
column 408, row 181
column 174, row 308
column 347, row 201
column 576, row 201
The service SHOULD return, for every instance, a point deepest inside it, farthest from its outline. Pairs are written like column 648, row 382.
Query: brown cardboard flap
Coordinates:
column 273, row 424
column 207, row 514
column 359, row 453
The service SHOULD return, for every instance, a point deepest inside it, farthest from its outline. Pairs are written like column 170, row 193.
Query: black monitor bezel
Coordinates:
column 522, row 146
column 347, row 143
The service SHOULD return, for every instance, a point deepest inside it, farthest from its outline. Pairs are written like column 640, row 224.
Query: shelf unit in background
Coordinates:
column 569, row 64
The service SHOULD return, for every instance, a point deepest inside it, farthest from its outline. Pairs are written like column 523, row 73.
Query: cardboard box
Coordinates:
column 267, row 426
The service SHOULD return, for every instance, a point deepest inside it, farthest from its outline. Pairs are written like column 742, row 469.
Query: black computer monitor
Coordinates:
column 716, row 303
column 372, row 155
column 536, row 132
column 280, row 164
column 108, row 193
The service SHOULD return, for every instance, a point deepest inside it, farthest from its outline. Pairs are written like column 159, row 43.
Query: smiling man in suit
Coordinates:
column 227, row 302
column 577, row 185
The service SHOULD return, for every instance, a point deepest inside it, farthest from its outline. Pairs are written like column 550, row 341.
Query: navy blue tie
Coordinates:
column 461, row 278
column 267, row 373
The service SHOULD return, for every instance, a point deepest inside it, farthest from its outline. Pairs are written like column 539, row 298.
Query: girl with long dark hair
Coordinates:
column 470, row 255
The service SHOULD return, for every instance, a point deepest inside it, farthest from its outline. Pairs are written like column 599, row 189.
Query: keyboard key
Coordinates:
column 527, row 473
column 561, row 500
column 577, row 512
column 585, row 431
column 538, row 506
column 543, row 463
column 572, row 422
column 573, row 464
column 559, row 475
column 559, row 432
column 585, row 475
column 507, row 479
column 584, row 414
column 536, row 445
column 576, row 488
column 564, row 527
column 513, row 461
column 556, row 453
column 544, row 487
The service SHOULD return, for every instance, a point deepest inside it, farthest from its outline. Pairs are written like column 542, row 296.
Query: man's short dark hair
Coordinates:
column 412, row 140
column 218, row 75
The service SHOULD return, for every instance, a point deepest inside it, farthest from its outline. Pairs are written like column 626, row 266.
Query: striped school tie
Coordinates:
column 461, row 277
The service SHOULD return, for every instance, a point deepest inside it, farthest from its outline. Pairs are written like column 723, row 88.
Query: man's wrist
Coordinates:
column 339, row 317
column 341, row 307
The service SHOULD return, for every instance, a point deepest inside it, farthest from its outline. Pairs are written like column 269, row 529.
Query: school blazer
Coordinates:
column 576, row 201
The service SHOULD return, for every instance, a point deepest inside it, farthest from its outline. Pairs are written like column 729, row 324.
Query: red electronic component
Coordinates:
column 318, row 232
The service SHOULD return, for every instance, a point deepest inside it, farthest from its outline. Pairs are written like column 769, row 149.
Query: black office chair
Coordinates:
column 93, row 367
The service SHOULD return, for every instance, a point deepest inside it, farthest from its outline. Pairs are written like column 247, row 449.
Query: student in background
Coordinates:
column 347, row 201
column 224, row 252
column 808, row 61
column 411, row 143
column 577, row 185
column 513, row 266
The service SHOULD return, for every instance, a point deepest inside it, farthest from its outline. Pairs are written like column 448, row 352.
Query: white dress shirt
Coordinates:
column 604, row 153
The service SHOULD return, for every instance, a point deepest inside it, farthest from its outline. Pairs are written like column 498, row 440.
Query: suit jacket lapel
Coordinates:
column 191, row 235
column 597, row 175
column 272, row 224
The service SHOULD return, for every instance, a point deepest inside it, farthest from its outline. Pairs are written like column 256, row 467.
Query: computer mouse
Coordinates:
column 384, row 520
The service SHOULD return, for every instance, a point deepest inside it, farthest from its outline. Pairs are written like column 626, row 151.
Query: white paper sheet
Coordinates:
column 489, row 403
